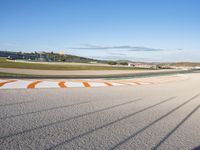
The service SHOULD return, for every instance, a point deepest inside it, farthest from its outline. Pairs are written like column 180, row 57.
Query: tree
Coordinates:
column 112, row 63
column 123, row 63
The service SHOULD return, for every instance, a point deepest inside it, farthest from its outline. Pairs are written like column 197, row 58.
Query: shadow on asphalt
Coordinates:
column 172, row 131
column 154, row 122
column 44, row 110
column 68, row 119
column 18, row 103
column 196, row 148
column 108, row 124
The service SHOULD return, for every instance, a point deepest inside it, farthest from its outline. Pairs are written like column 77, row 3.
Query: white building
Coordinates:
column 142, row 65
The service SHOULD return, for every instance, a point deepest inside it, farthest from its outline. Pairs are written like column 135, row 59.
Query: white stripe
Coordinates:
column 16, row 85
column 181, row 75
column 97, row 84
column 117, row 84
column 47, row 84
column 144, row 83
column 74, row 84
column 132, row 83
column 3, row 80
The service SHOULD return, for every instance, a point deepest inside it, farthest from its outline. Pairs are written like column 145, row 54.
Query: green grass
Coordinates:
column 23, row 65
column 15, row 75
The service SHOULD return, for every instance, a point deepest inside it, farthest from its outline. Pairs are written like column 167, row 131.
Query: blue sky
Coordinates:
column 145, row 30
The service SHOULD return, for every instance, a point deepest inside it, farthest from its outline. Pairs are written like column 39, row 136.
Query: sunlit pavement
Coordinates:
column 163, row 114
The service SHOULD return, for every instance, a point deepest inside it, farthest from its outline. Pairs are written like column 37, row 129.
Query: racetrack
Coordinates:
column 152, row 116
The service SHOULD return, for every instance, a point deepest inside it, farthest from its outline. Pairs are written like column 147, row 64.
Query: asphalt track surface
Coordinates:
column 153, row 116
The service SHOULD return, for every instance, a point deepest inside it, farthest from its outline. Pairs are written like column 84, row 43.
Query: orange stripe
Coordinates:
column 146, row 82
column 138, row 83
column 151, row 82
column 3, row 83
column 108, row 84
column 62, row 84
column 124, row 83
column 86, row 84
column 33, row 84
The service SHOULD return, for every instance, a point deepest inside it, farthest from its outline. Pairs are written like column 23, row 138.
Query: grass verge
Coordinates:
column 23, row 65
column 31, row 76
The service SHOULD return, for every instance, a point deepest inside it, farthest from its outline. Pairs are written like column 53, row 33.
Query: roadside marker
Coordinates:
column 33, row 84
column 62, row 84
column 3, row 83
column 86, row 84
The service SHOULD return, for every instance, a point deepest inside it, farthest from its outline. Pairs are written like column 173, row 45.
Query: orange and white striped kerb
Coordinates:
column 36, row 84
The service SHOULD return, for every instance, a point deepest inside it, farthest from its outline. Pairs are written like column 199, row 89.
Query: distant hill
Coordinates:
column 56, row 57
column 48, row 57
column 185, row 64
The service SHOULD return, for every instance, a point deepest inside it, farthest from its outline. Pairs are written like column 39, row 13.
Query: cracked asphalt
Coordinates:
column 155, row 116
